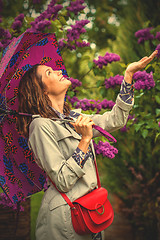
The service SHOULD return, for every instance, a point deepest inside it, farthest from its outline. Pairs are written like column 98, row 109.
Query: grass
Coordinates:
column 35, row 205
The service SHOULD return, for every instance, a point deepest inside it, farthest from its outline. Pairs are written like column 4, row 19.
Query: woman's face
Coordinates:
column 54, row 81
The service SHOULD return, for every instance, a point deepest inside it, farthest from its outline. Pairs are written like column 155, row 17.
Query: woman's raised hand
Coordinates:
column 136, row 66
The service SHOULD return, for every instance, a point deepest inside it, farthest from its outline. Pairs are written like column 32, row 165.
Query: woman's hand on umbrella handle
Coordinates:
column 137, row 66
column 83, row 126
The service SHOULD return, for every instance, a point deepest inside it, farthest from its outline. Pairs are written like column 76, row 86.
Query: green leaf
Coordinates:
column 157, row 135
column 144, row 133
column 102, row 91
column 98, row 83
column 96, row 71
column 157, row 98
column 138, row 126
column 157, row 111
column 62, row 20
column 90, row 64
column 158, row 87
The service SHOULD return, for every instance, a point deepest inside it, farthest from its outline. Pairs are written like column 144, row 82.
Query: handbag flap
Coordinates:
column 94, row 199
column 105, row 212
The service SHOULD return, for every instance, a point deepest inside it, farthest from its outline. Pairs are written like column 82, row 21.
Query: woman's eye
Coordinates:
column 49, row 72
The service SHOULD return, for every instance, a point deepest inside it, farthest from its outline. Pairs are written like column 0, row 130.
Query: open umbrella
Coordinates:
column 20, row 176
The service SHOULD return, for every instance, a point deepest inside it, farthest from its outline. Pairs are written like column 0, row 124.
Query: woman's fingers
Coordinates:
column 153, row 54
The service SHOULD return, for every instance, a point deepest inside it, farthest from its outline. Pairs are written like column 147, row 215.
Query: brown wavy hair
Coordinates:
column 33, row 100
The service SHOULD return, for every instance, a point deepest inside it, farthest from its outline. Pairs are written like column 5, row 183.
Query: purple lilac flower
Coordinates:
column 5, row 36
column 73, row 100
column 82, row 44
column 108, row 58
column 143, row 80
column 52, row 11
column 20, row 17
column 91, row 104
column 76, row 6
column 76, row 30
column 17, row 24
column 105, row 149
column 158, row 36
column 75, row 83
column 5, row 201
column 159, row 124
column 158, row 48
column 42, row 25
column 113, row 81
column 65, row 44
column 144, row 35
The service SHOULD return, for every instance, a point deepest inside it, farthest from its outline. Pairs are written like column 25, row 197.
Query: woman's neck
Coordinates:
column 57, row 104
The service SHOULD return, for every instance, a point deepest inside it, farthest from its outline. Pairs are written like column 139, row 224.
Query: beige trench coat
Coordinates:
column 53, row 144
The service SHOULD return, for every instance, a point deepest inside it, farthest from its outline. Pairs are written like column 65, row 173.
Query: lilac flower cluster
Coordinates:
column 76, row 30
column 108, row 58
column 113, row 81
column 73, row 34
column 5, row 202
column 64, row 43
column 144, row 35
column 90, row 104
column 159, row 124
column 75, row 83
column 105, row 149
column 5, row 37
column 158, row 36
column 17, row 24
column 51, row 13
column 75, row 7
column 82, row 44
column 143, row 80
column 158, row 48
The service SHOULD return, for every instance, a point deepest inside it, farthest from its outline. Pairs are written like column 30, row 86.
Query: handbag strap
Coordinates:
column 65, row 196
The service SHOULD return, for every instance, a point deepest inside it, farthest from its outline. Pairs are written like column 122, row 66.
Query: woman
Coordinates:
column 65, row 150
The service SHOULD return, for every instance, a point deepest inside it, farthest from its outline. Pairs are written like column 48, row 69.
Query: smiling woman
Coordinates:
column 64, row 149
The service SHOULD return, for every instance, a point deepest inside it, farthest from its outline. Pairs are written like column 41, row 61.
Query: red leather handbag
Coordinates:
column 92, row 212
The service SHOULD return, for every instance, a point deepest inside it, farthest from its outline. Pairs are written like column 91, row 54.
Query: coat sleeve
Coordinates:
column 42, row 141
column 114, row 119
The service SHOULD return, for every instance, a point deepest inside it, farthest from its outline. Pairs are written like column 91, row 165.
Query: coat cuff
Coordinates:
column 123, row 105
column 74, row 167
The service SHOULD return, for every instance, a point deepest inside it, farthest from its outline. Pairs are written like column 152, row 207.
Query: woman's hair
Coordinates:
column 33, row 100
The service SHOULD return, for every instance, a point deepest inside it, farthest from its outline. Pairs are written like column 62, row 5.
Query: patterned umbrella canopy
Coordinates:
column 20, row 176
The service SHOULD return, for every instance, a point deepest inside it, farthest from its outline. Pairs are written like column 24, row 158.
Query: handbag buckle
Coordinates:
column 98, row 205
